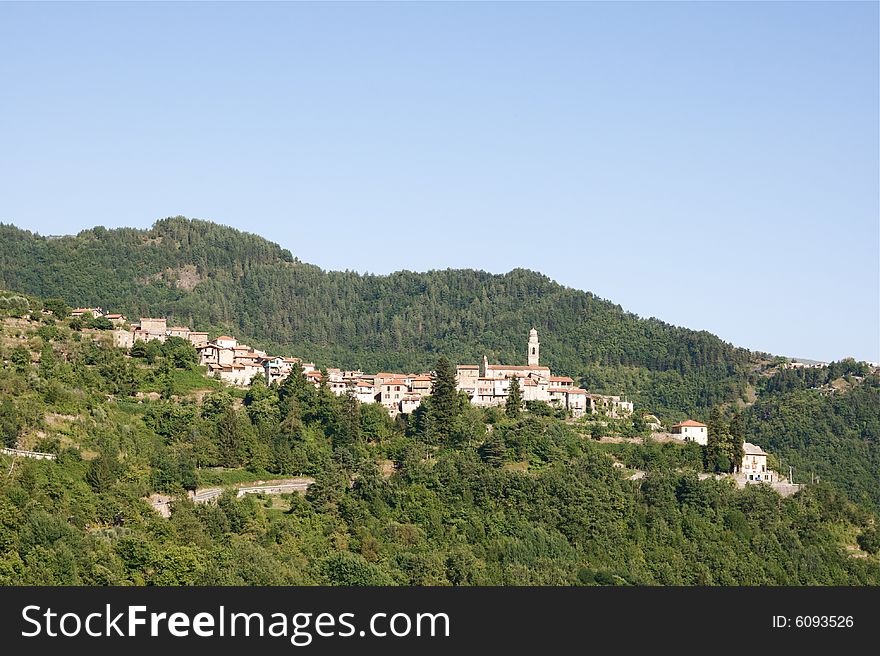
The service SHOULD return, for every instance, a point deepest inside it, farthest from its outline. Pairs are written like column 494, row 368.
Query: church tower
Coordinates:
column 534, row 348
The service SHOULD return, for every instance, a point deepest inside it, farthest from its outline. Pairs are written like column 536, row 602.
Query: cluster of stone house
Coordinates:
column 489, row 385
column 486, row 385
column 238, row 364
column 148, row 329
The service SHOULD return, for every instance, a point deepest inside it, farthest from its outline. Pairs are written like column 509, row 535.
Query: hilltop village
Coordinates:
column 486, row 385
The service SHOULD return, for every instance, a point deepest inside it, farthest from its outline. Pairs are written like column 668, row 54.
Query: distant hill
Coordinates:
column 217, row 278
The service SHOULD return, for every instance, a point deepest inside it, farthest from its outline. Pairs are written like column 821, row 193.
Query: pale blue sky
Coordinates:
column 713, row 165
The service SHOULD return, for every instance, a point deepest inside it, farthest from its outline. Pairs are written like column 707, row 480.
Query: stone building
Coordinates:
column 754, row 464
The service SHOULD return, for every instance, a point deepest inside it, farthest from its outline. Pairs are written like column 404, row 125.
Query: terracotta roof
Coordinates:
column 224, row 337
column 561, row 390
column 395, row 381
column 422, row 378
column 467, row 366
column 689, row 423
column 113, row 316
column 561, row 379
column 576, row 390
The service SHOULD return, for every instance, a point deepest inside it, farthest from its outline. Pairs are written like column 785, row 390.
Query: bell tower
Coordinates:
column 534, row 348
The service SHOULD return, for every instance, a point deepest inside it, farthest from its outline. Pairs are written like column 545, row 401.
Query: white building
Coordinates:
column 226, row 341
column 364, row 390
column 754, row 464
column 692, row 431
column 393, row 391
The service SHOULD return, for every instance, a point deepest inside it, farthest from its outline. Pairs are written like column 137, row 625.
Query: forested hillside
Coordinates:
column 214, row 277
column 455, row 495
column 824, row 423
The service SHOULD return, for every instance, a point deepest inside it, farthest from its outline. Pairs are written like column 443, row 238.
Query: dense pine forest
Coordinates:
column 452, row 495
column 212, row 277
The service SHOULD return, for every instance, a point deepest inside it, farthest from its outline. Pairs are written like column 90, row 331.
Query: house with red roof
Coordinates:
column 692, row 431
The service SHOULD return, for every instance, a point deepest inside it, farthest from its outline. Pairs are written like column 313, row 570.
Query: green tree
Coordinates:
column 104, row 471
column 445, row 404
column 869, row 540
column 349, row 432
column 181, row 353
column 737, row 437
column 57, row 307
column 48, row 361
column 493, row 450
column 101, row 323
column 138, row 349
column 10, row 424
column 294, row 394
column 346, row 568
column 231, row 439
column 21, row 358
column 513, row 405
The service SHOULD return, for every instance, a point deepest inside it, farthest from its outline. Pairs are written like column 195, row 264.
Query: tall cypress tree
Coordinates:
column 230, row 441
column 349, row 432
column 295, row 394
column 445, row 402
column 737, row 437
column 513, row 405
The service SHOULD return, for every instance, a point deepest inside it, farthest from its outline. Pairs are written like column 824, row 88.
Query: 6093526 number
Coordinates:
column 823, row 621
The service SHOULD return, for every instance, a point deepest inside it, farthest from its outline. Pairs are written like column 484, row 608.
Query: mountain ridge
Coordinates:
column 239, row 282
